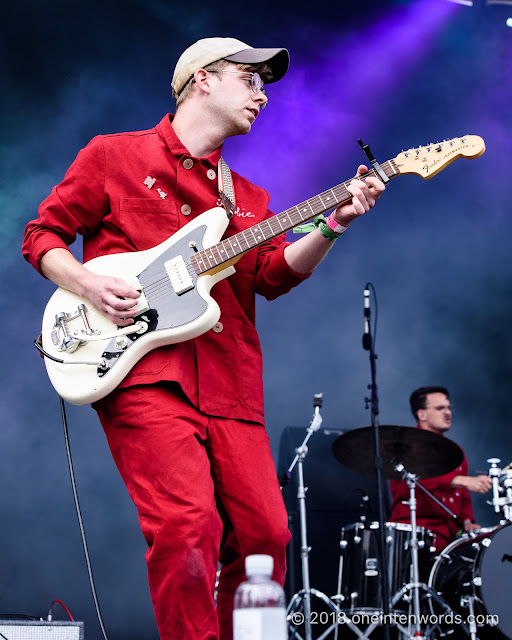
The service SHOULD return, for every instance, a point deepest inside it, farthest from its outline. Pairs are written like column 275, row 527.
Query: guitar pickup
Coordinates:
column 179, row 276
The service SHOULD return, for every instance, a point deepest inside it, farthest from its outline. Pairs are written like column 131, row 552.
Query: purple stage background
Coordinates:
column 397, row 74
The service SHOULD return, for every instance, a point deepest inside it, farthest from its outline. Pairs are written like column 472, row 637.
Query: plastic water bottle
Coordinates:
column 259, row 611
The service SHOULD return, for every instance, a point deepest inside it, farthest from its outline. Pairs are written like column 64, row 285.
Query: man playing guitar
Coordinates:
column 185, row 425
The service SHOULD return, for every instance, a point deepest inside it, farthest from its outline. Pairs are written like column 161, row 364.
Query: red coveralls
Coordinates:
column 428, row 513
column 186, row 425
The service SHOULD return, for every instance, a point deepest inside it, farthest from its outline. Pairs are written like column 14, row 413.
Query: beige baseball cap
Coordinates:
column 208, row 50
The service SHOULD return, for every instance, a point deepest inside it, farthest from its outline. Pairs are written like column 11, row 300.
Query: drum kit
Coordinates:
column 463, row 592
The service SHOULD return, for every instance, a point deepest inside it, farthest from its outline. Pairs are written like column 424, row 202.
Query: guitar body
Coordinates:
column 166, row 317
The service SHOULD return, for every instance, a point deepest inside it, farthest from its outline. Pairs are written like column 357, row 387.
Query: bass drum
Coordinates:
column 477, row 566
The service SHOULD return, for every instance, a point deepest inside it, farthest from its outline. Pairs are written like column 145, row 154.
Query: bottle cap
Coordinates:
column 258, row 565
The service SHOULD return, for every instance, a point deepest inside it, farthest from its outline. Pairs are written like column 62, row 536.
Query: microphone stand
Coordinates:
column 298, row 612
column 301, row 498
column 368, row 345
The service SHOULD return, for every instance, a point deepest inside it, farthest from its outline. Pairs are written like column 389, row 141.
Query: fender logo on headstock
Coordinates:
column 442, row 154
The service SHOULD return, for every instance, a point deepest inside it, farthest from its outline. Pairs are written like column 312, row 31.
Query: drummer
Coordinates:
column 431, row 408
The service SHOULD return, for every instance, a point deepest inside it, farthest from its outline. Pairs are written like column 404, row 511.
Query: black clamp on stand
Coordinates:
column 374, row 162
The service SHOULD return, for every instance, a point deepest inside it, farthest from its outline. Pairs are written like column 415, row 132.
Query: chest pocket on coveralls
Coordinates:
column 147, row 221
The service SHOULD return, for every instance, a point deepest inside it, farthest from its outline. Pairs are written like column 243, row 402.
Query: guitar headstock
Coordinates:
column 430, row 160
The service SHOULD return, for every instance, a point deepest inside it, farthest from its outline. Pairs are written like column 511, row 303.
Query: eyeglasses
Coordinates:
column 255, row 81
column 442, row 407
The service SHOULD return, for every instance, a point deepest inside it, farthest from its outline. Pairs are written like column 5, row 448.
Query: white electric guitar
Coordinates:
column 87, row 356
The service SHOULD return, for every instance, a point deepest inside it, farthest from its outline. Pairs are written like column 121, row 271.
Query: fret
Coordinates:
column 313, row 206
column 232, row 250
column 212, row 255
column 394, row 168
column 322, row 201
column 208, row 258
column 257, row 239
column 318, row 204
column 251, row 242
column 258, row 234
column 270, row 231
column 235, row 252
column 282, row 216
column 236, row 243
column 243, row 236
column 305, row 210
column 344, row 192
column 278, row 218
column 222, row 250
column 229, row 248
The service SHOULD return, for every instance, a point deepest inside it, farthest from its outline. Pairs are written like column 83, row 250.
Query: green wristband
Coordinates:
column 327, row 232
column 307, row 228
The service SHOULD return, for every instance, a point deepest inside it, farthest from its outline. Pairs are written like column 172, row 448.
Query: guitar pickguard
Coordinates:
column 167, row 309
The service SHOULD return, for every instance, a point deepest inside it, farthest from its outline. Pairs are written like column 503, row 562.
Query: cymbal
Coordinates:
column 423, row 453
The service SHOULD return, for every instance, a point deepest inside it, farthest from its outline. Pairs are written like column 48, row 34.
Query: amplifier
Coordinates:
column 41, row 630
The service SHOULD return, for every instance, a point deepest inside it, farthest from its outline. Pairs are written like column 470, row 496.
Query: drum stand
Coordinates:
column 299, row 608
column 501, row 481
column 415, row 586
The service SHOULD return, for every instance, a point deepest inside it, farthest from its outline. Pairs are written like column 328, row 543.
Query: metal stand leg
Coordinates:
column 472, row 624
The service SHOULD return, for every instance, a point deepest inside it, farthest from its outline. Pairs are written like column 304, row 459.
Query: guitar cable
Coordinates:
column 80, row 520
column 39, row 347
column 44, row 354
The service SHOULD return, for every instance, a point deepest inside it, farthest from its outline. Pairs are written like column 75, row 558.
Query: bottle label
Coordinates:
column 266, row 623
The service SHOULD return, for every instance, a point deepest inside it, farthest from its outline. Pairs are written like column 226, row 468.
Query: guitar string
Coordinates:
column 340, row 193
column 158, row 286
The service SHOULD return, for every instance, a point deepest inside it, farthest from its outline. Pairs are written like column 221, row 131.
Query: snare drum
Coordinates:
column 359, row 583
column 479, row 566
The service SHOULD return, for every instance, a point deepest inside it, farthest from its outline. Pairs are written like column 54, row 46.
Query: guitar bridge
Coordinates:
column 62, row 338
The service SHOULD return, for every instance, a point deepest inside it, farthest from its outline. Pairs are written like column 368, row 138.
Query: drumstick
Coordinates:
column 507, row 467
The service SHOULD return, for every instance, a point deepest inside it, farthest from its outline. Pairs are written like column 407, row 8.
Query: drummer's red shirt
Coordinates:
column 429, row 514
column 130, row 192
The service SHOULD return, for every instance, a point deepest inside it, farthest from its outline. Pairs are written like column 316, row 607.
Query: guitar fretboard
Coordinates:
column 246, row 240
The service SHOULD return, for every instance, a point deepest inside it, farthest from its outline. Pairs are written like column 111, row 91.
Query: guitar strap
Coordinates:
column 226, row 190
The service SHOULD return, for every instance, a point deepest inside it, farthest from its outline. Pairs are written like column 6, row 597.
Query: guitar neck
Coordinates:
column 246, row 240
